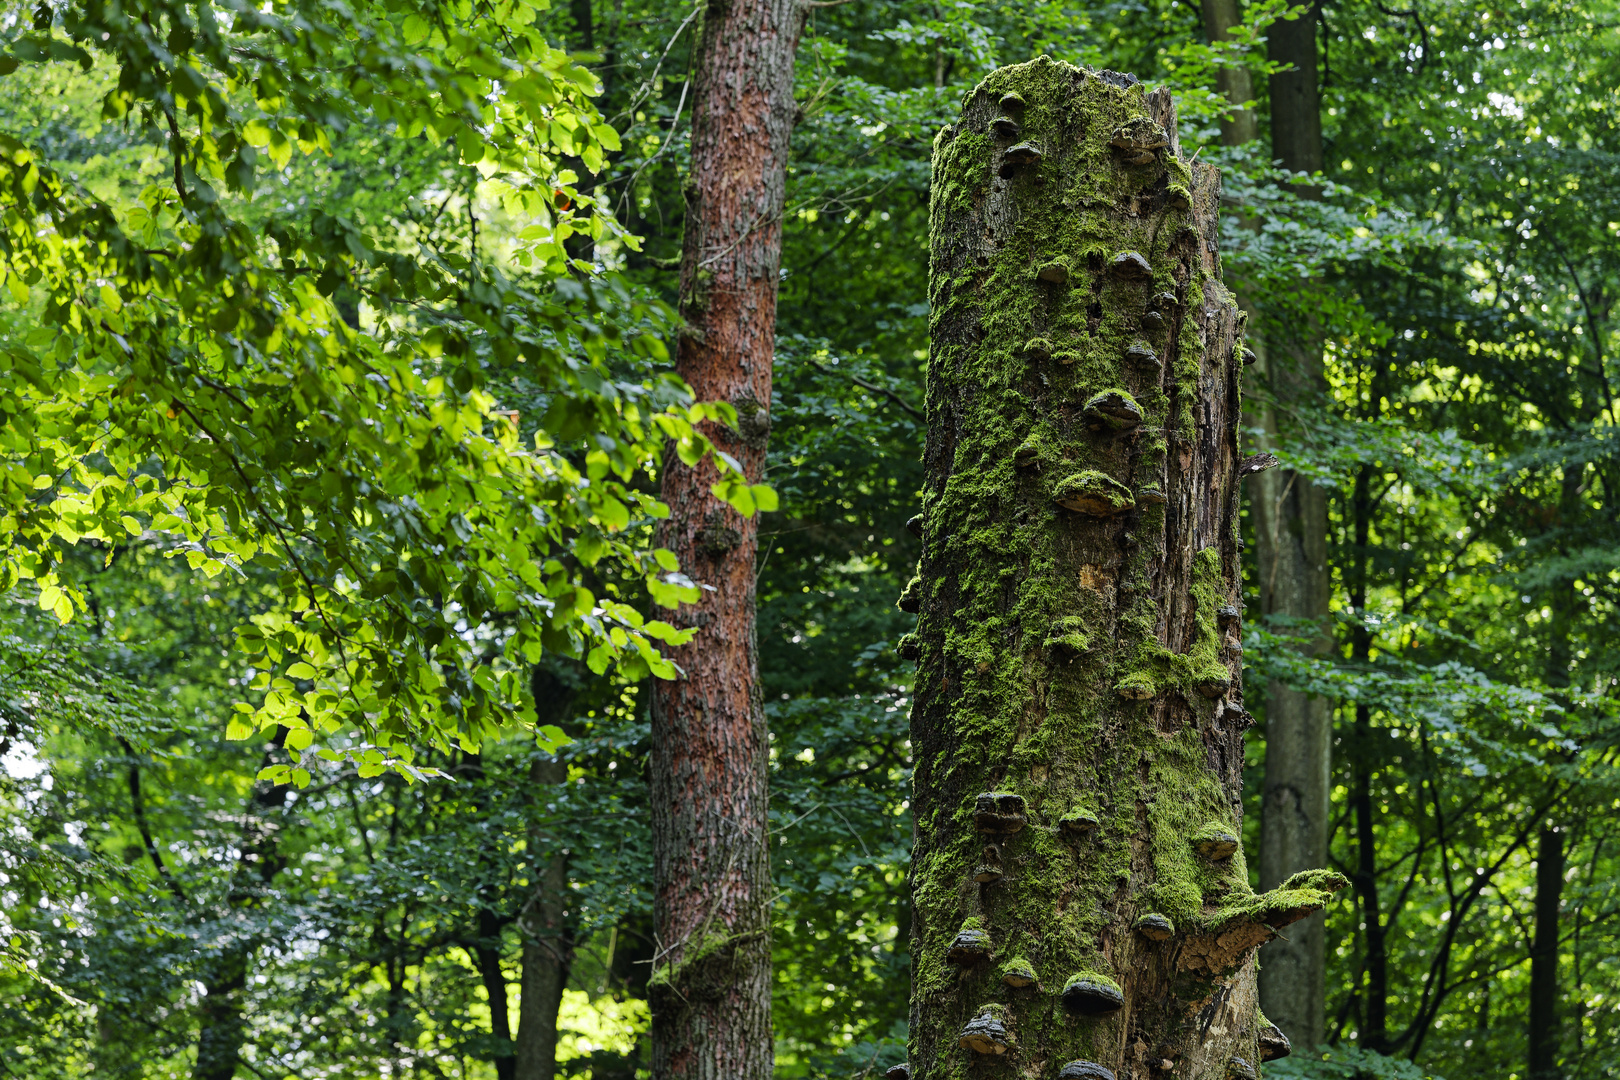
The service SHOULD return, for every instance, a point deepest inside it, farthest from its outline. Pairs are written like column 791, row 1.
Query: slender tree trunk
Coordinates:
column 544, row 924
column 1550, row 856
column 1290, row 518
column 1079, row 893
column 221, row 1028
column 711, row 987
column 1544, row 1028
column 487, row 953
column 1235, row 83
column 1374, row 1032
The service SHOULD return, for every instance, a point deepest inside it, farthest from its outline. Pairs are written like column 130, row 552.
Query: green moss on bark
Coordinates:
column 1081, row 412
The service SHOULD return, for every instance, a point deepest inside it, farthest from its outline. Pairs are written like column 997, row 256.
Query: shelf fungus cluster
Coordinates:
column 1080, row 895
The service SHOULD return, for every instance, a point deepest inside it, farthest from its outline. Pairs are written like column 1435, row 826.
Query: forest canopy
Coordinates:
column 337, row 365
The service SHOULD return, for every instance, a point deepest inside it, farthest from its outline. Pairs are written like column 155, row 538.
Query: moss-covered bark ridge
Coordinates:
column 1075, row 678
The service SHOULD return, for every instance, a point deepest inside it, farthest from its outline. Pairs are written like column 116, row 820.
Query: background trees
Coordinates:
column 1464, row 239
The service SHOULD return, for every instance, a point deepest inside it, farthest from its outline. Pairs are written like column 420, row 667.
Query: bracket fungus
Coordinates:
column 1215, row 842
column 1084, row 1070
column 901, row 1071
column 1273, row 1043
column 970, row 946
column 1011, row 100
column 1143, row 354
column 1016, row 157
column 911, row 597
column 1018, row 973
column 1078, row 823
column 1233, row 713
column 1005, row 127
column 1150, row 496
column 1214, row 685
column 908, row 647
column 989, row 868
column 1228, row 614
column 1155, row 927
column 1095, row 493
column 1027, row 455
column 1130, row 265
column 1139, row 140
column 1180, row 197
column 1000, row 813
column 986, row 1033
column 914, row 525
column 1239, row 1069
column 1112, row 409
column 1068, row 635
column 1136, row 686
column 1256, row 463
column 1056, row 272
column 1090, row 994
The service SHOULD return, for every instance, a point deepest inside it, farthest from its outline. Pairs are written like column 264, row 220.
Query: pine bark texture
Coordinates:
column 711, row 985
column 1290, row 516
column 1080, row 897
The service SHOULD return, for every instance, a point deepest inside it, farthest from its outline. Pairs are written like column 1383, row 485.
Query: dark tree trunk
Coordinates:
column 1550, row 856
column 1374, row 1034
column 487, row 954
column 711, row 987
column 1544, row 957
column 221, row 1029
column 1078, row 886
column 1290, row 516
column 1296, row 109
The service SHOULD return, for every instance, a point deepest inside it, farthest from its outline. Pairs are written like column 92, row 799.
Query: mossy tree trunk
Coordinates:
column 710, row 987
column 1081, row 904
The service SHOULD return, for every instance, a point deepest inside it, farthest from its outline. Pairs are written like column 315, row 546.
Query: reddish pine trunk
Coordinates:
column 711, row 985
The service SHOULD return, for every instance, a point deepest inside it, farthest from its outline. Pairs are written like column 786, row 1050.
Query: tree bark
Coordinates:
column 544, row 924
column 487, row 954
column 1544, row 1042
column 1550, row 856
column 1296, row 108
column 1374, row 1031
column 1079, row 893
column 1290, row 517
column 1234, row 82
column 221, row 1028
column 711, row 988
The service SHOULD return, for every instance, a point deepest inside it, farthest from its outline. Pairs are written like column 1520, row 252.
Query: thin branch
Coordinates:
column 876, row 389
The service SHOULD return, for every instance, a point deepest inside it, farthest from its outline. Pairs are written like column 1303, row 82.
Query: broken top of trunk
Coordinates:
column 1073, row 672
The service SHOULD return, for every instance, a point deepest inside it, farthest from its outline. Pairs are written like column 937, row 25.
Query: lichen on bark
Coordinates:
column 1078, row 718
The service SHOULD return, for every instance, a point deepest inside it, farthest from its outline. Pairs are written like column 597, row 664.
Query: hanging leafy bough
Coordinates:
column 192, row 377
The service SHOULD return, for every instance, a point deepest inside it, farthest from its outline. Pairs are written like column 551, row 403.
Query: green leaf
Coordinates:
column 551, row 738
column 416, row 30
